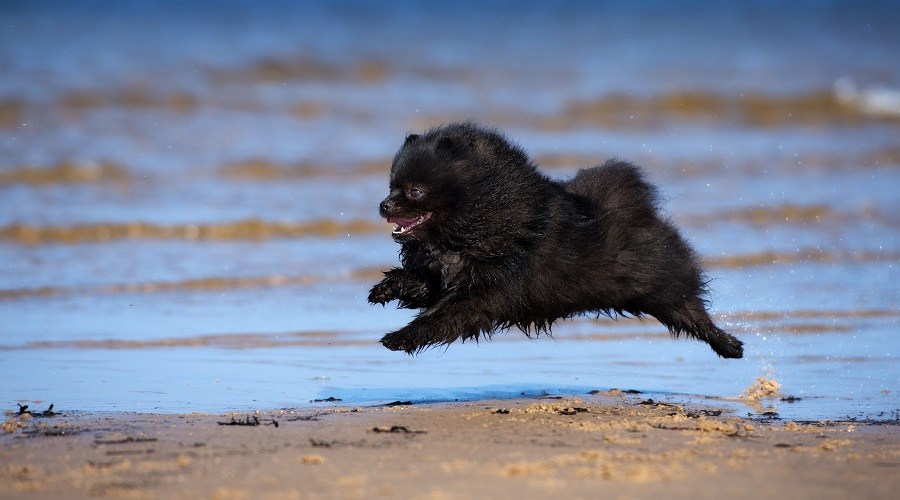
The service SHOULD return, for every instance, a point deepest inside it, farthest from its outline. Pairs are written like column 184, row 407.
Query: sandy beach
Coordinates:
column 603, row 445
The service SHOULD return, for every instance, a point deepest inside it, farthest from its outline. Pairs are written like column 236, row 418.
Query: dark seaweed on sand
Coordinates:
column 23, row 410
column 251, row 421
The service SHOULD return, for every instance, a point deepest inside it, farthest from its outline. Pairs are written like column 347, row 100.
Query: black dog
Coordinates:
column 488, row 243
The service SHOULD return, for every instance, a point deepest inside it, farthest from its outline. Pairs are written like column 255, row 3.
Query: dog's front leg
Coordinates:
column 401, row 284
column 442, row 324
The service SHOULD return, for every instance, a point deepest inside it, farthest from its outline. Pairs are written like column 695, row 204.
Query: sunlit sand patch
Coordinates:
column 755, row 110
column 705, row 166
column 728, row 427
column 311, row 459
column 212, row 283
column 824, row 446
column 553, row 406
column 304, row 68
column 134, row 97
column 634, row 112
column 227, row 341
column 794, row 214
column 625, row 466
column 809, row 255
column 246, row 229
column 261, row 169
column 756, row 395
column 12, row 112
column 762, row 388
column 788, row 212
column 809, row 313
column 65, row 172
column 25, row 478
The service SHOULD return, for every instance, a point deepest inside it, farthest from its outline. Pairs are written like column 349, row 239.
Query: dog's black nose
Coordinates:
column 386, row 206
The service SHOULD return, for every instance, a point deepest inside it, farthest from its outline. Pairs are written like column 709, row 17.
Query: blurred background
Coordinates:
column 188, row 193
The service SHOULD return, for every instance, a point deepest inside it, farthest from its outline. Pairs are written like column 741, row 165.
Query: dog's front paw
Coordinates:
column 382, row 293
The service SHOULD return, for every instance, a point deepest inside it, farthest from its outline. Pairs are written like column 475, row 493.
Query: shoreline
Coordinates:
column 611, row 443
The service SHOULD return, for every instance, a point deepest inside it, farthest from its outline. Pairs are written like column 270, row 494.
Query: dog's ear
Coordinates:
column 445, row 143
column 410, row 138
column 451, row 146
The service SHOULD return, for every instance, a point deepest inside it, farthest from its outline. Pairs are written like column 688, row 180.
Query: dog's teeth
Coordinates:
column 412, row 224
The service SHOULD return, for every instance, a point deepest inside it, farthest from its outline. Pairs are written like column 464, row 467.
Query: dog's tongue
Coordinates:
column 401, row 221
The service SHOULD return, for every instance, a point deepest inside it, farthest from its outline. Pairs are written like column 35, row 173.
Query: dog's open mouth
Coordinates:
column 406, row 225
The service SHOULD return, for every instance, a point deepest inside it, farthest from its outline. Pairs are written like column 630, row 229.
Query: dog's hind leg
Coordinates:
column 693, row 320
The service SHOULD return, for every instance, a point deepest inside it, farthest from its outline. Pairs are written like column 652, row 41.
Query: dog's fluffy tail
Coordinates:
column 614, row 186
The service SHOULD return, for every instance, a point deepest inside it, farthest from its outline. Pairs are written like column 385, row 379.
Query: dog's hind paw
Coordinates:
column 725, row 345
column 397, row 341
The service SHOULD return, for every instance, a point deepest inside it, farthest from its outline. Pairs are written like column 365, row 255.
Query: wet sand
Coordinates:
column 595, row 446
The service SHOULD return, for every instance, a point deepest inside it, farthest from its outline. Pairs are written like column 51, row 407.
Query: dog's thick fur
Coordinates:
column 489, row 243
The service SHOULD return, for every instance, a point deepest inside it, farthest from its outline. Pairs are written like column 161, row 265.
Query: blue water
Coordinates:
column 188, row 117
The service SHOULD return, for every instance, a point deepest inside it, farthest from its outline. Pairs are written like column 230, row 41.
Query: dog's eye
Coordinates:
column 415, row 193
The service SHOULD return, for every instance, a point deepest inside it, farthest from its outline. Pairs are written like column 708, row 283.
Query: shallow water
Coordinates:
column 188, row 193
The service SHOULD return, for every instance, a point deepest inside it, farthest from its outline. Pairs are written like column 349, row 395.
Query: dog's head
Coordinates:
column 427, row 182
column 458, row 186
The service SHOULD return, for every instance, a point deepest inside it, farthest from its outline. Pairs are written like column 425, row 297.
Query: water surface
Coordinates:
column 188, row 194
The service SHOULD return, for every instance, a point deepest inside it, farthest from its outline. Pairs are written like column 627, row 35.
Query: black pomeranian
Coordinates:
column 488, row 243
